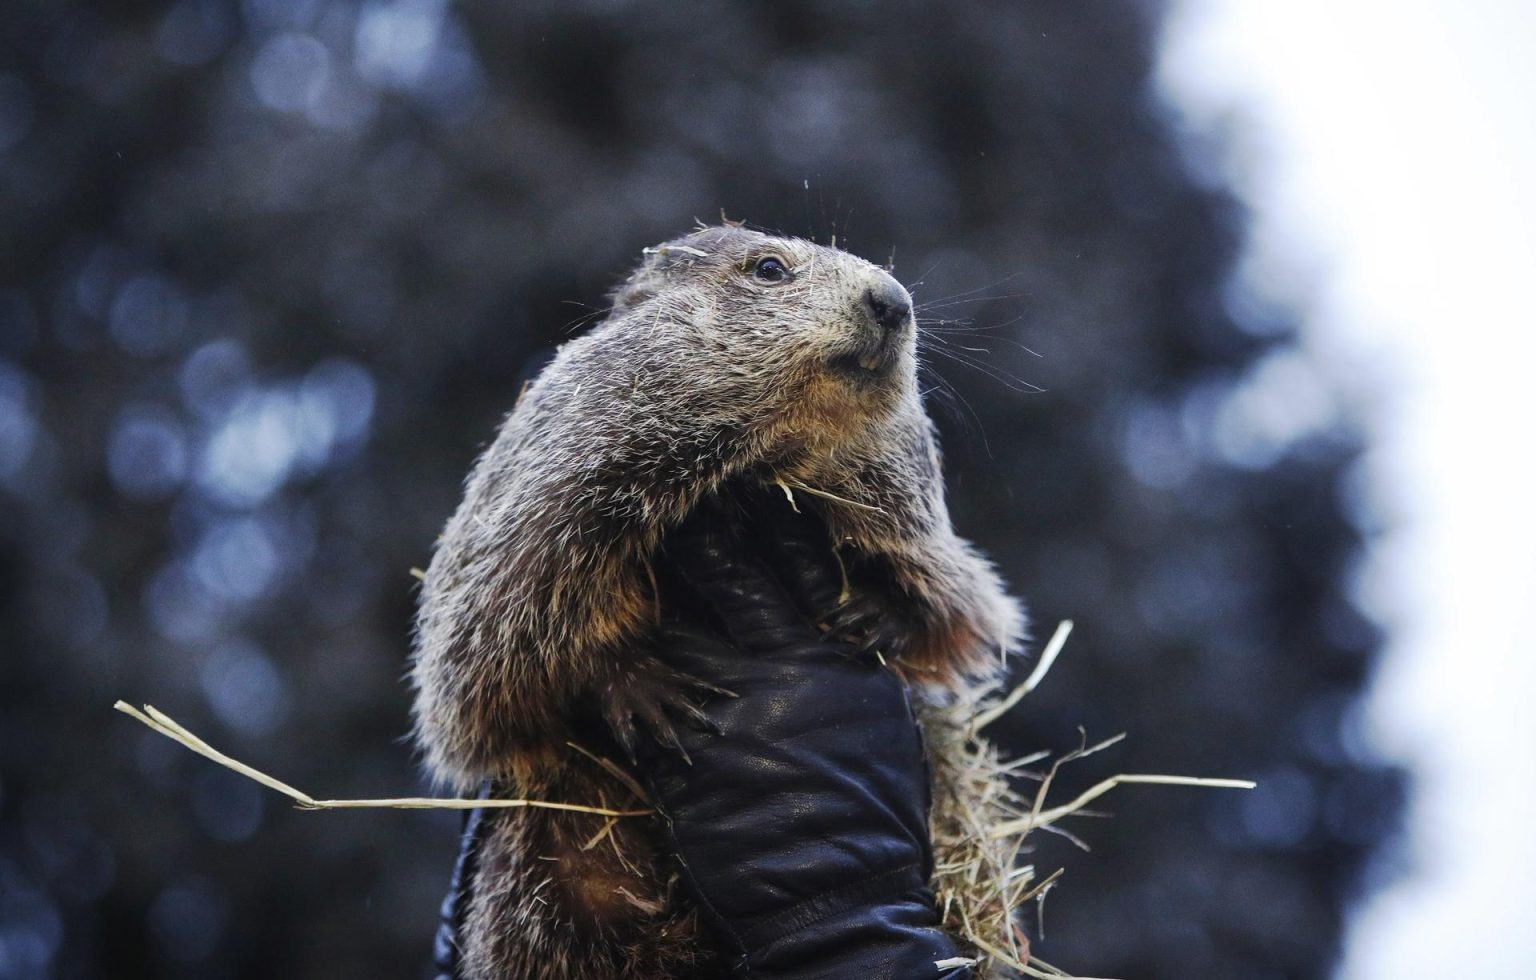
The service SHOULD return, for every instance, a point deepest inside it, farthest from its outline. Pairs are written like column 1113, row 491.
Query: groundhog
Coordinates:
column 729, row 356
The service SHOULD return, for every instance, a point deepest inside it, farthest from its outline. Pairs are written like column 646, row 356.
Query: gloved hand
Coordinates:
column 801, row 819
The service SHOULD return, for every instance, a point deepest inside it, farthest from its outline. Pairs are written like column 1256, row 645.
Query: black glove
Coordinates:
column 801, row 820
column 450, row 914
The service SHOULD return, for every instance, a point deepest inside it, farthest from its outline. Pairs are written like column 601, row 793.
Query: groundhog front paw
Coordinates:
column 874, row 624
column 649, row 692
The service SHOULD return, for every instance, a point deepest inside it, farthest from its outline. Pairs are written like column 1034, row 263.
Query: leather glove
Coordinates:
column 450, row 914
column 801, row 819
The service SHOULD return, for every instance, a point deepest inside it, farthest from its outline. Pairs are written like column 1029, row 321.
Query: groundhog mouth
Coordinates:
column 870, row 361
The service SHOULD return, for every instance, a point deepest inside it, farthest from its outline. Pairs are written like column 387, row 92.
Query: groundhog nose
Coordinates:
column 888, row 304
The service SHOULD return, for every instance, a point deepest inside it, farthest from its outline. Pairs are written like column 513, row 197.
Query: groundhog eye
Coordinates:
column 770, row 269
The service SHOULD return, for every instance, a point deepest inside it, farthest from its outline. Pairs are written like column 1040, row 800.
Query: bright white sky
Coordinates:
column 1389, row 149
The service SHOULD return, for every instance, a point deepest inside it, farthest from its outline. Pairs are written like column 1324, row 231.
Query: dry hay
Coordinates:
column 980, row 822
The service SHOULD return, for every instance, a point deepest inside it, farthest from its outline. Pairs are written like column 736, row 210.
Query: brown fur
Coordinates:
column 536, row 605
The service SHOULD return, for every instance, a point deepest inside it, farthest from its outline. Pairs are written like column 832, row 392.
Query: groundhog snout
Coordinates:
column 888, row 304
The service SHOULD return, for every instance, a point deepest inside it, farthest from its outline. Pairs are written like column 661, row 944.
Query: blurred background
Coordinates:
column 1233, row 301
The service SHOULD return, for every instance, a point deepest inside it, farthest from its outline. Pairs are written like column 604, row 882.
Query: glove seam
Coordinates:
column 700, row 895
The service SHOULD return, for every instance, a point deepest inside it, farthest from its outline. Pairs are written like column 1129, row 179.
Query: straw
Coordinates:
column 170, row 728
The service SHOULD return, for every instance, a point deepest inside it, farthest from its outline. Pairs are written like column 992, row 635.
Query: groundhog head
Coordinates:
column 790, row 326
column 850, row 313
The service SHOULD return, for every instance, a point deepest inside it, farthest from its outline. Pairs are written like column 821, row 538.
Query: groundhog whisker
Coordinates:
column 912, row 286
column 960, row 407
column 943, row 334
column 924, row 278
column 978, row 292
column 973, row 355
column 592, row 313
column 1003, row 340
column 961, row 297
column 996, row 373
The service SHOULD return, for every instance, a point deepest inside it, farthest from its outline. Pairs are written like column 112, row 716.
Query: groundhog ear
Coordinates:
column 649, row 278
column 641, row 285
column 633, row 291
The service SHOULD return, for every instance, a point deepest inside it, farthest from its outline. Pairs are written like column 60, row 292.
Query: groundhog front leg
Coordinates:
column 492, row 703
column 923, row 605
column 940, row 609
column 969, row 622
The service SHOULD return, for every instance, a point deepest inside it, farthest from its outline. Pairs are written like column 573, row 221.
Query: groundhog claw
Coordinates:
column 872, row 624
column 653, row 694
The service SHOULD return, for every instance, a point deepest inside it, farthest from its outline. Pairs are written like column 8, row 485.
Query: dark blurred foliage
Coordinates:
column 271, row 269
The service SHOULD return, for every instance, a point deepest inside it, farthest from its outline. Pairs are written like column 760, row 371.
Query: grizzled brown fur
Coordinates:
column 534, row 615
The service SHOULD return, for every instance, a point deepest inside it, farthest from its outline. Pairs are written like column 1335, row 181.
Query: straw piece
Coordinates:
column 831, row 496
column 1041, row 888
column 954, row 961
column 170, row 728
column 164, row 724
column 437, row 803
column 1044, row 817
column 789, row 495
column 1047, row 658
column 612, row 769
